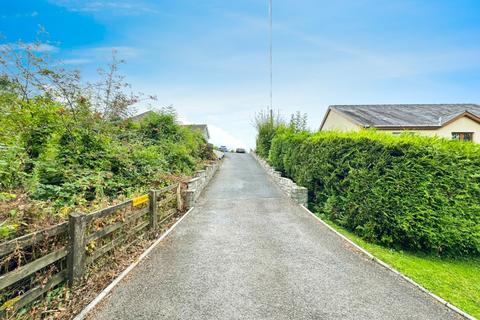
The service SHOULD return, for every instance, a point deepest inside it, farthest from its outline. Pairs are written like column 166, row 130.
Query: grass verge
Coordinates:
column 455, row 280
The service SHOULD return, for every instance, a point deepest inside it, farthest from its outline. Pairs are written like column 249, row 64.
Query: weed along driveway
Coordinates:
column 248, row 252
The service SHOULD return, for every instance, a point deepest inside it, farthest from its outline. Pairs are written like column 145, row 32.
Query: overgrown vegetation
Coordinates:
column 269, row 123
column 408, row 192
column 68, row 145
column 266, row 122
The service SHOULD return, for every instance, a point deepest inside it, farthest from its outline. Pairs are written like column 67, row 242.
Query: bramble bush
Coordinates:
column 409, row 192
column 79, row 166
column 91, row 160
column 66, row 145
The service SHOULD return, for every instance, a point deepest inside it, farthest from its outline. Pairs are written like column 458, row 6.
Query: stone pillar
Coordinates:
column 190, row 198
column 300, row 196
column 193, row 184
column 76, row 262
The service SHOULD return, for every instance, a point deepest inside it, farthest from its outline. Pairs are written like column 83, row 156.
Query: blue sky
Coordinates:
column 209, row 58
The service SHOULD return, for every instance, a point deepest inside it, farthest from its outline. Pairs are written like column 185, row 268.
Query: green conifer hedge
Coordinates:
column 409, row 192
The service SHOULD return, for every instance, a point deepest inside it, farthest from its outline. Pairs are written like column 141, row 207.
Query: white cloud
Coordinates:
column 76, row 61
column 99, row 55
column 123, row 7
column 42, row 47
column 45, row 47
column 124, row 51
column 32, row 14
column 105, row 53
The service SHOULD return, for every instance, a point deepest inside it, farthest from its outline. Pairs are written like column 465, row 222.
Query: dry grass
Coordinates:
column 64, row 302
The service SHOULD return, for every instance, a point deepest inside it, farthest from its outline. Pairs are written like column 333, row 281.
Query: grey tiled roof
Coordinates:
column 405, row 115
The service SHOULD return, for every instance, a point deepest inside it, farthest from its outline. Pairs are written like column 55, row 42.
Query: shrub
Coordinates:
column 268, row 124
column 12, row 166
column 73, row 159
column 264, row 139
column 65, row 143
column 409, row 192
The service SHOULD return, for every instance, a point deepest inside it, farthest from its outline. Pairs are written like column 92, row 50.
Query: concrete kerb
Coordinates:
column 125, row 272
column 390, row 268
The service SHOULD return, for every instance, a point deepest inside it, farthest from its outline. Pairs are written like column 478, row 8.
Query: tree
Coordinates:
column 111, row 95
column 267, row 122
column 298, row 122
column 30, row 71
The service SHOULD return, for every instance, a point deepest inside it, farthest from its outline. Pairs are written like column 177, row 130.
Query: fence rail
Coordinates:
column 84, row 239
column 33, row 264
column 32, row 238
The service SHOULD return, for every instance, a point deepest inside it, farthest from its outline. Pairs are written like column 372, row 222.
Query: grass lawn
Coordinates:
column 456, row 281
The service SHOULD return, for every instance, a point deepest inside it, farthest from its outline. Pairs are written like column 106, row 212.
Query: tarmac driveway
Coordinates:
column 247, row 252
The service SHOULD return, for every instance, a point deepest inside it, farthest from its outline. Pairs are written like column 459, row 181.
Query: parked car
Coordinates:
column 223, row 149
column 240, row 150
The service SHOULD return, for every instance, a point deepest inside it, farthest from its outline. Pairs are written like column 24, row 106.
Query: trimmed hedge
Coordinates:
column 409, row 192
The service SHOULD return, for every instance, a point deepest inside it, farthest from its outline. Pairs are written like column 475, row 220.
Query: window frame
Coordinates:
column 460, row 136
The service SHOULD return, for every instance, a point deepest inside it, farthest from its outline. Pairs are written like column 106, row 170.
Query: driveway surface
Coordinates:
column 247, row 252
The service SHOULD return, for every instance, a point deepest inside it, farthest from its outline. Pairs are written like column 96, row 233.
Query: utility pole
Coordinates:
column 270, row 14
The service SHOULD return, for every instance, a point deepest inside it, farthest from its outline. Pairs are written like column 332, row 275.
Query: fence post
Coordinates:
column 152, row 197
column 179, row 197
column 76, row 259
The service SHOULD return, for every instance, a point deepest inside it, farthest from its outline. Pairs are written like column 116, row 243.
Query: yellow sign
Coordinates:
column 139, row 200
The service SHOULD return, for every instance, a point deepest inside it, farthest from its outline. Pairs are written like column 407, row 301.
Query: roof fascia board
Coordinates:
column 466, row 114
column 324, row 118
column 406, row 127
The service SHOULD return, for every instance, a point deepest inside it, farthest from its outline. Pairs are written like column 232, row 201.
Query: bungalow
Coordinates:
column 451, row 121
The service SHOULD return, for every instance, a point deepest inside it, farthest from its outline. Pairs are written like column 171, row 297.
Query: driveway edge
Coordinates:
column 125, row 272
column 387, row 266
column 269, row 170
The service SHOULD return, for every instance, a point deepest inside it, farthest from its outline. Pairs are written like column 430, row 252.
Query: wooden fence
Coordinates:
column 35, row 263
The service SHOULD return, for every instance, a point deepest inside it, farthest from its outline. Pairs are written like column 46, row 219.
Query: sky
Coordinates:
column 209, row 58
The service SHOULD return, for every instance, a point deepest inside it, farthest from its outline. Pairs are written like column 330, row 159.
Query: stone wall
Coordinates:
column 199, row 182
column 291, row 189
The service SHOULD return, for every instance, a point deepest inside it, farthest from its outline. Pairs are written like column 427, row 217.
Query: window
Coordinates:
column 462, row 136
